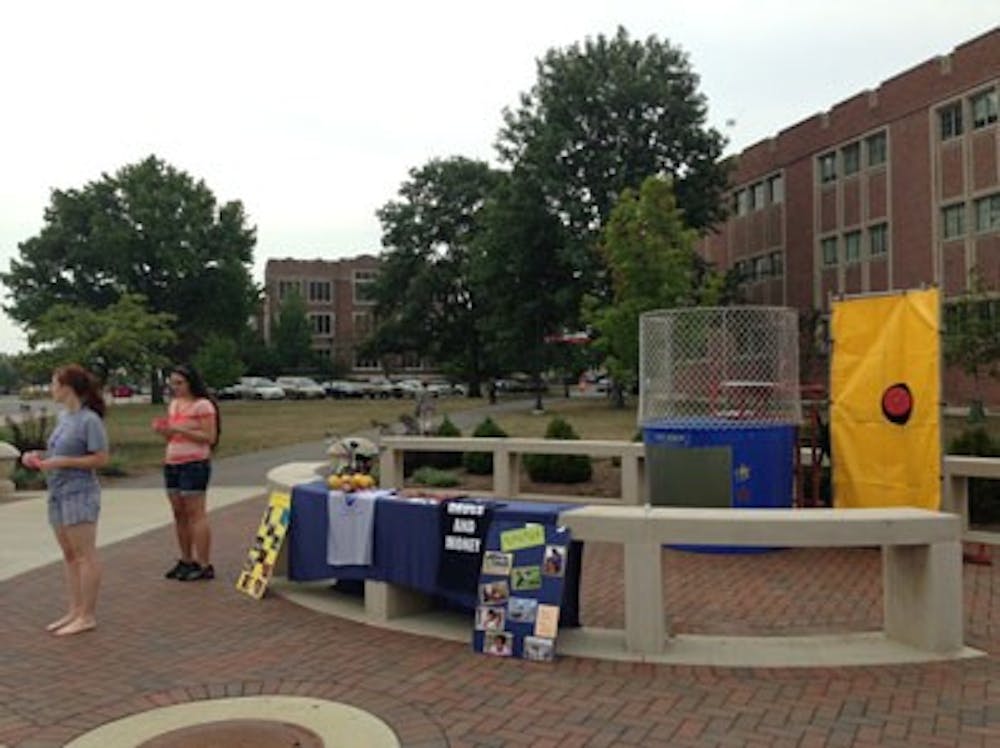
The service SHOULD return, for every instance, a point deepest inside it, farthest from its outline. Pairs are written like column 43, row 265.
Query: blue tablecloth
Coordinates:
column 407, row 544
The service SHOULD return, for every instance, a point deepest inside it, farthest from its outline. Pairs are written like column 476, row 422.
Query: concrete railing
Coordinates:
column 507, row 454
column 921, row 560
column 957, row 471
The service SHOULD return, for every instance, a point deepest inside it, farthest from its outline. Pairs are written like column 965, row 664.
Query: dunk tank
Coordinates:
column 719, row 407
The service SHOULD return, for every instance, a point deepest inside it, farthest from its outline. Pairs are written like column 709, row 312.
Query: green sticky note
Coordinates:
column 523, row 537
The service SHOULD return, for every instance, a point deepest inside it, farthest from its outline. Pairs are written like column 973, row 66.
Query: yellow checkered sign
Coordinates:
column 263, row 554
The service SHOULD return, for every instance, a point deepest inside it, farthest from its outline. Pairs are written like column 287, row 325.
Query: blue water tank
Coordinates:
column 707, row 463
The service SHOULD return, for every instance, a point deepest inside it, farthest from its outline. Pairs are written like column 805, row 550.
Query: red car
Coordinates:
column 122, row 390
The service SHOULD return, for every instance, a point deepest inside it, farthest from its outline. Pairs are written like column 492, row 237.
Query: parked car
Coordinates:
column 259, row 388
column 232, row 392
column 122, row 390
column 343, row 388
column 301, row 388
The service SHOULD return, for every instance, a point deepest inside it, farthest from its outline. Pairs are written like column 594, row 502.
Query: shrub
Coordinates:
column 984, row 494
column 114, row 469
column 558, row 468
column 413, row 461
column 28, row 480
column 481, row 463
column 31, row 431
column 428, row 476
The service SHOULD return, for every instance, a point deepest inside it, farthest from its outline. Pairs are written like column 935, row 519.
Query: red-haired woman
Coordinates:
column 77, row 447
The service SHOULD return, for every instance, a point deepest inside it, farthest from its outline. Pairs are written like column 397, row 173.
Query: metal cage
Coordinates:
column 721, row 366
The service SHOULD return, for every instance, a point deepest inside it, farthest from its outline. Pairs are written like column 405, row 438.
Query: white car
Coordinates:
column 260, row 388
column 301, row 388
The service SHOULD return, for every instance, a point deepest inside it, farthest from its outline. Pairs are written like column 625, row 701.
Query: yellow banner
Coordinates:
column 885, row 390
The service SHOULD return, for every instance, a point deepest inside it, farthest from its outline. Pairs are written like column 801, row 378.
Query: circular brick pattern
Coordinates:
column 246, row 733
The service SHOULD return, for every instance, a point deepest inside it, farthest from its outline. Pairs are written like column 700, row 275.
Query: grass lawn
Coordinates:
column 248, row 426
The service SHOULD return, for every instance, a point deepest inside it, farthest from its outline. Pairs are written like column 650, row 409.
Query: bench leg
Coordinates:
column 922, row 590
column 645, row 622
column 384, row 601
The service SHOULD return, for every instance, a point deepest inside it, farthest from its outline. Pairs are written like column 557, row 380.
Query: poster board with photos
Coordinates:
column 521, row 590
column 263, row 554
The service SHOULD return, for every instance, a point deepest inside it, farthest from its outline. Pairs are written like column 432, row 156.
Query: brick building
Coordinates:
column 337, row 304
column 891, row 189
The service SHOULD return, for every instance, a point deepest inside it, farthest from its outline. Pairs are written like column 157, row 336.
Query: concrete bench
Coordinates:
column 921, row 560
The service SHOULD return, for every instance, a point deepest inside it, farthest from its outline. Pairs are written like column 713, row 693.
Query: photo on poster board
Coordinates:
column 539, row 649
column 499, row 643
column 489, row 618
column 522, row 609
column 497, row 563
column 547, row 621
column 494, row 593
column 554, row 563
column 526, row 578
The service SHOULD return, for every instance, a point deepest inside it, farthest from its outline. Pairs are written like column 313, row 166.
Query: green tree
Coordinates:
column 972, row 337
column 653, row 264
column 424, row 300
column 602, row 117
column 521, row 250
column 10, row 374
column 124, row 336
column 219, row 361
column 291, row 334
column 149, row 229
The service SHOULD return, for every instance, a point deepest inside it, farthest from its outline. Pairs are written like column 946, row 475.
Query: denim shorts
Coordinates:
column 74, row 507
column 187, row 477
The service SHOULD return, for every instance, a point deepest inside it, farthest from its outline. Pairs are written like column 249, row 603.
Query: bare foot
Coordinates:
column 61, row 622
column 77, row 626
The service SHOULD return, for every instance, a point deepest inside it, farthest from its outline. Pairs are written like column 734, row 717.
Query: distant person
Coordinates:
column 191, row 429
column 77, row 447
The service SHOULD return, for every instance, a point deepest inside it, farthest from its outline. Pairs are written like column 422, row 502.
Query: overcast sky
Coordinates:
column 312, row 113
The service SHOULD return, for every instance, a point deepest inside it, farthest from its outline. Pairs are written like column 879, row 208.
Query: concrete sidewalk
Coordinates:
column 26, row 540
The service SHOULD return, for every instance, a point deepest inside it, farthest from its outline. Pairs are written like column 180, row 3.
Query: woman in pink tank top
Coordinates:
column 191, row 429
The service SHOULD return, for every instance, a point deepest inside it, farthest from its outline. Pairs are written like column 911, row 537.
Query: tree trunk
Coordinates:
column 155, row 387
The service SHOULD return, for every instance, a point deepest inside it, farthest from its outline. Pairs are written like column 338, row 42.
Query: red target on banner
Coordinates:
column 897, row 403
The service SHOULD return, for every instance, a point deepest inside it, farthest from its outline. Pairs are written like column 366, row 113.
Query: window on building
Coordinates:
column 828, row 248
column 286, row 287
column 362, row 324
column 320, row 291
column 950, row 118
column 878, row 240
column 852, row 158
column 984, row 108
column 758, row 196
column 852, row 246
column 742, row 202
column 828, row 167
column 777, row 264
column 321, row 324
column 736, row 203
column 762, row 267
column 363, row 282
column 988, row 213
column 875, row 147
column 365, row 362
column 953, row 221
column 776, row 189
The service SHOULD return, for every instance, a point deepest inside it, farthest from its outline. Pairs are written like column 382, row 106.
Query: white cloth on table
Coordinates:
column 350, row 539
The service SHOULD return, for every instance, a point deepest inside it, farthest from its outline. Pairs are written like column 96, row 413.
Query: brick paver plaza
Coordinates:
column 162, row 642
